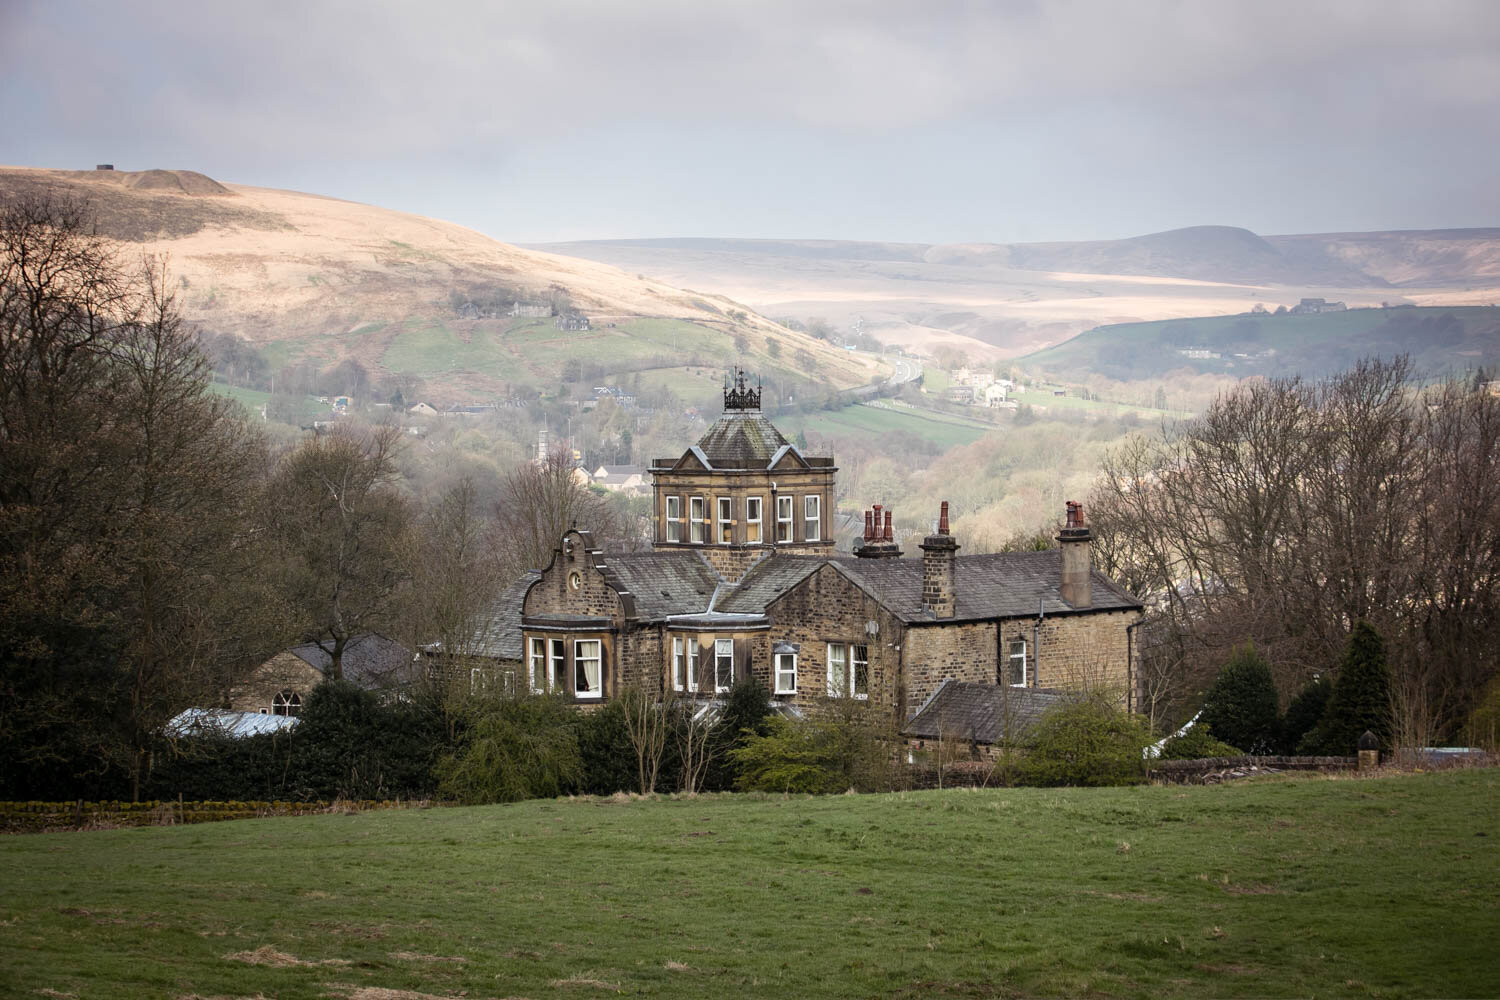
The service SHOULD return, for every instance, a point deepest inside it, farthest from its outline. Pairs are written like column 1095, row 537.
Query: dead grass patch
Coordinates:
column 676, row 967
column 414, row 956
column 266, row 955
column 384, row 993
column 586, row 982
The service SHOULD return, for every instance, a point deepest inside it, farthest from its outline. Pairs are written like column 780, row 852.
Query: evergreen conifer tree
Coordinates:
column 1361, row 699
column 1241, row 706
column 1304, row 713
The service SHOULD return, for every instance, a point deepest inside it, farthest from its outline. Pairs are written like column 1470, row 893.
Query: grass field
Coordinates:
column 1304, row 887
column 871, row 423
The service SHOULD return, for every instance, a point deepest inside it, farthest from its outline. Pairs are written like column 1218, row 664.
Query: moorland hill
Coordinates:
column 999, row 300
column 319, row 279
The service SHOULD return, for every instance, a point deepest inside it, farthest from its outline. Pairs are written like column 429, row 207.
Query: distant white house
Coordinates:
column 621, row 478
column 422, row 410
column 994, row 394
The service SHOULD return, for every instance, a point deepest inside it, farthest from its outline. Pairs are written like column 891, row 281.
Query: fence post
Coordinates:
column 1369, row 752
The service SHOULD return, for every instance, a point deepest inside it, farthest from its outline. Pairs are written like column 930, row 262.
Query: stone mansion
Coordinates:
column 743, row 581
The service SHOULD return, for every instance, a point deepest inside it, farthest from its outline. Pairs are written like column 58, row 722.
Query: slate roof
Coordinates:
column 741, row 439
column 500, row 634
column 369, row 660
column 1000, row 585
column 664, row 583
column 983, row 713
column 766, row 581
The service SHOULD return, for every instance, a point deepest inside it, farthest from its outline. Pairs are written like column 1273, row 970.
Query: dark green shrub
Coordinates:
column 785, row 756
column 1195, row 744
column 514, row 749
column 605, row 752
column 1086, row 742
column 1304, row 713
column 745, row 710
column 1241, row 706
column 845, row 745
column 221, row 768
column 1361, row 699
column 352, row 744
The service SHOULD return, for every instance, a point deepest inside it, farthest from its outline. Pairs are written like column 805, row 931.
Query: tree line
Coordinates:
column 1291, row 511
column 155, row 545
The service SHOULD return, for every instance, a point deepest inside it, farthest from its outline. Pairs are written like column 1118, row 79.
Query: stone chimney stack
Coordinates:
column 939, row 553
column 1077, row 568
column 878, row 543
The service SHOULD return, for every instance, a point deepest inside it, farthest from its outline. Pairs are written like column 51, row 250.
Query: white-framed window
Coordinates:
column 557, row 680
column 726, row 519
column 674, row 519
column 838, row 669
column 1016, row 664
column 692, row 664
column 723, row 664
column 588, row 660
column 286, row 703
column 812, row 518
column 752, row 520
column 538, row 664
column 783, row 519
column 786, row 673
column 695, row 519
column 848, row 670
column 679, row 665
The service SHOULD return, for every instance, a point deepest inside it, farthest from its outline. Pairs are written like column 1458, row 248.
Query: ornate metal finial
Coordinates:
column 739, row 395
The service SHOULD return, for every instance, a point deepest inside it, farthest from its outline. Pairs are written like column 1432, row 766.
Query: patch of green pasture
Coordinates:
column 871, row 423
column 431, row 349
column 1277, row 888
column 252, row 399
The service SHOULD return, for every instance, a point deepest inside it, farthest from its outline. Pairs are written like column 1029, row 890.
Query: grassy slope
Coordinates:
column 1285, row 888
column 872, row 423
column 1312, row 344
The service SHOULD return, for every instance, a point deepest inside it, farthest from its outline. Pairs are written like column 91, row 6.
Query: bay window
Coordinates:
column 588, row 660
column 679, row 665
column 538, row 666
column 723, row 665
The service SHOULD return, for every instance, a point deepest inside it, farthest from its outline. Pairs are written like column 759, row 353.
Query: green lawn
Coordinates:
column 1279, row 888
column 871, row 423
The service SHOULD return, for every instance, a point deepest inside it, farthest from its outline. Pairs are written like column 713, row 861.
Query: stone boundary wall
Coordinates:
column 959, row 774
column 1193, row 772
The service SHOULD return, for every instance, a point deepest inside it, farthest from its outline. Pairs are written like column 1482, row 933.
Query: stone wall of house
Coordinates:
column 283, row 672
column 964, row 651
column 827, row 608
column 552, row 595
column 1085, row 652
column 1077, row 652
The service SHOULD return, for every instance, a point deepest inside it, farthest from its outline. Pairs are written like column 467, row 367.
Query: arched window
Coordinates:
column 286, row 703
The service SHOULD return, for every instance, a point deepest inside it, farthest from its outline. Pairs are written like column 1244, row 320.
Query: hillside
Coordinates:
column 311, row 278
column 1005, row 300
column 1440, row 341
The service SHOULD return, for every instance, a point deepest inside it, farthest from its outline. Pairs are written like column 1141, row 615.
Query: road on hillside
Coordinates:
column 907, row 370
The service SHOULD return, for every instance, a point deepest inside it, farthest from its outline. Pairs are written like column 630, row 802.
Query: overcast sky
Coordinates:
column 913, row 121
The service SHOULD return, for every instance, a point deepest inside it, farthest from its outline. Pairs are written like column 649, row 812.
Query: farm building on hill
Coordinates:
column 743, row 581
